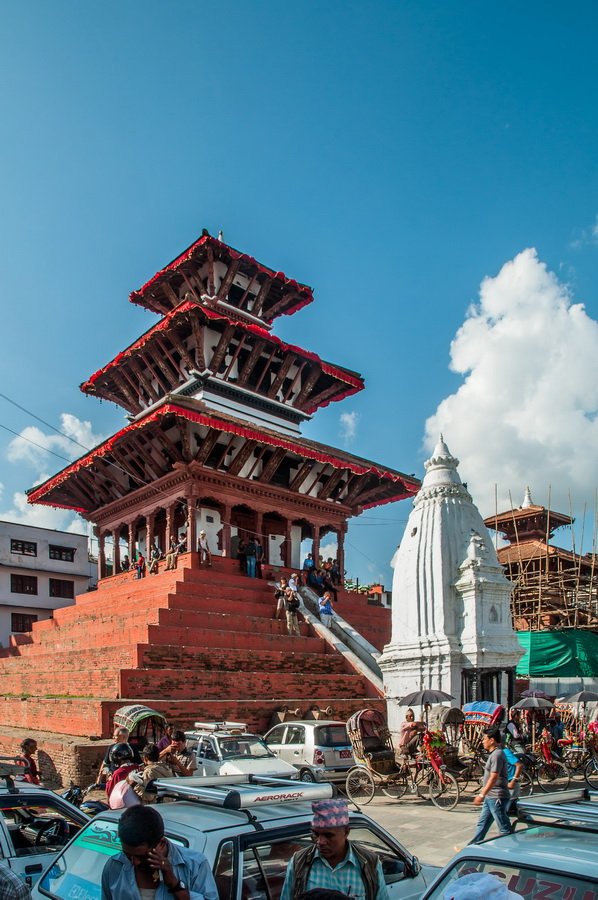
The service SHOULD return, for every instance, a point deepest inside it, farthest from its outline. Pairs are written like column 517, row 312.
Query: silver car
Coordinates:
column 247, row 829
column 320, row 749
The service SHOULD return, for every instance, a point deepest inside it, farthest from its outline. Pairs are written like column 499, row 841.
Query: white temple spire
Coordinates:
column 527, row 499
column 451, row 618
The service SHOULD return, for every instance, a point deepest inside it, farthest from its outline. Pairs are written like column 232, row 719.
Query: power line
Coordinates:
column 43, row 421
column 35, row 444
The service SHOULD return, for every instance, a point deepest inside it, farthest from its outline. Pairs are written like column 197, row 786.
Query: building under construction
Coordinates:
column 555, row 600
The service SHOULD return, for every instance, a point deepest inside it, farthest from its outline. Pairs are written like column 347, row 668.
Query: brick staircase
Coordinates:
column 194, row 643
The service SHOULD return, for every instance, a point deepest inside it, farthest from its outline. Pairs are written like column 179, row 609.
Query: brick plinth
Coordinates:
column 193, row 643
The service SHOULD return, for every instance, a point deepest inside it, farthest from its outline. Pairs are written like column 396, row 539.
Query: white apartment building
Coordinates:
column 40, row 571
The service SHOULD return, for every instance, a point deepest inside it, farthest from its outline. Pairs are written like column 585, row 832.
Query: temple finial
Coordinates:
column 527, row 499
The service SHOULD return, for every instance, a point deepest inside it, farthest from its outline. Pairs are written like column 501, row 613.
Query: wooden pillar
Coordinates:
column 288, row 546
column 191, row 524
column 150, row 522
column 227, row 513
column 116, row 551
column 169, row 524
column 132, row 542
column 340, row 552
column 315, row 547
column 101, row 555
column 259, row 527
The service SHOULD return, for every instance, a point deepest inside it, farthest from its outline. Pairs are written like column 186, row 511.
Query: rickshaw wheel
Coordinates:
column 553, row 776
column 591, row 773
column 360, row 786
column 396, row 787
column 444, row 790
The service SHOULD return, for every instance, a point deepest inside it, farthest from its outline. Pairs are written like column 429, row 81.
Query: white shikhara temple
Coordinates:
column 451, row 621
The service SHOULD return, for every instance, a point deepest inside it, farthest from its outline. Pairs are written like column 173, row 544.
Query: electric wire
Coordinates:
column 373, row 522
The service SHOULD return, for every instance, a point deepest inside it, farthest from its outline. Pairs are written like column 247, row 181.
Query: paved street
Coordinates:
column 431, row 834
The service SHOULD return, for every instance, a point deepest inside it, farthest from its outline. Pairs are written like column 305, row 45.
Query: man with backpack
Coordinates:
column 291, row 607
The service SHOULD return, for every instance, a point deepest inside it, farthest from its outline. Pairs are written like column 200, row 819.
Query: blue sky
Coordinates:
column 391, row 155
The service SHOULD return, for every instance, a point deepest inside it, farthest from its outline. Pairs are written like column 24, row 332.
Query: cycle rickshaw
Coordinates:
column 377, row 765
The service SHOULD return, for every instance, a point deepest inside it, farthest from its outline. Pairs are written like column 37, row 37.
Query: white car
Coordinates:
column 247, row 828
column 319, row 749
column 224, row 752
column 35, row 823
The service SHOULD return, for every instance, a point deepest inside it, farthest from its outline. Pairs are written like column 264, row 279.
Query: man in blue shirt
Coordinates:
column 334, row 862
column 149, row 863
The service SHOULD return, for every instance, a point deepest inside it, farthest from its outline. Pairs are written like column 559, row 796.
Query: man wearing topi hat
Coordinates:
column 202, row 548
column 334, row 862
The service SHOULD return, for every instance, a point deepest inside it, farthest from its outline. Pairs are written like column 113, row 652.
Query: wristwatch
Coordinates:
column 179, row 886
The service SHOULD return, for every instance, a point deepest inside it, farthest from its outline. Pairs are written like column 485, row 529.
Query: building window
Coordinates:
column 26, row 548
column 23, row 584
column 61, row 588
column 21, row 622
column 65, row 554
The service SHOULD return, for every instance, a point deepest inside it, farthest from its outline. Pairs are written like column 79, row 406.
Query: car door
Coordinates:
column 208, row 762
column 264, row 862
column 275, row 739
column 293, row 748
column 35, row 827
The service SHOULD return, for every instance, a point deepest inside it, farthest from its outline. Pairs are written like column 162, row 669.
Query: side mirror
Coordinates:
column 394, row 869
column 416, row 866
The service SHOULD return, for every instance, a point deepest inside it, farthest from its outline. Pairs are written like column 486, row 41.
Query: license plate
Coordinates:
column 344, row 754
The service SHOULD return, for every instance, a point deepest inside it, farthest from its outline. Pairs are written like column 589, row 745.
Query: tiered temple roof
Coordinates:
column 215, row 404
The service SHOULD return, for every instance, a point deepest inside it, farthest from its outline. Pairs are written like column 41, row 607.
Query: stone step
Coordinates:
column 223, row 638
column 218, row 621
column 232, row 660
column 187, row 684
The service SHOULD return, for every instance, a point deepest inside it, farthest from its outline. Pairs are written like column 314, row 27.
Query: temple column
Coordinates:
column 340, row 552
column 169, row 524
column 259, row 526
column 150, row 522
column 191, row 524
column 226, row 530
column 131, row 541
column 288, row 546
column 101, row 555
column 315, row 547
column 116, row 551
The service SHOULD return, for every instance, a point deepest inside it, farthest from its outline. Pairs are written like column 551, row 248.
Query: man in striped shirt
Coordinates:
column 334, row 862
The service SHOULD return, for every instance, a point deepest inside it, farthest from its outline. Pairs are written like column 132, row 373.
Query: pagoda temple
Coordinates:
column 215, row 404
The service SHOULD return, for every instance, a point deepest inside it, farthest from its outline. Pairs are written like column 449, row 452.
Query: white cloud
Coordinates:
column 42, row 516
column 32, row 444
column 349, row 422
column 587, row 236
column 527, row 410
column 328, row 551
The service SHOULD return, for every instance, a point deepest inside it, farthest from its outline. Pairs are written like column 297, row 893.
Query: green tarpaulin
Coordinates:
column 558, row 654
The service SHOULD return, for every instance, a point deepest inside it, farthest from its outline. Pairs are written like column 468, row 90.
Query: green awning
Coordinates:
column 558, row 654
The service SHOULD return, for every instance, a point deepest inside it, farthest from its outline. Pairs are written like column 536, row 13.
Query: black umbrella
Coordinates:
column 582, row 697
column 533, row 703
column 533, row 693
column 420, row 698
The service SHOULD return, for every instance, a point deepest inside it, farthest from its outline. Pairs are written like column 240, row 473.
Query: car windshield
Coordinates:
column 78, row 871
column 527, row 883
column 243, row 745
column 331, row 736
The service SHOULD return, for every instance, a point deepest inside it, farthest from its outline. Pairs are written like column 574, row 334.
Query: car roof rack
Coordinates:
column 221, row 726
column 241, row 792
column 12, row 766
column 577, row 808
